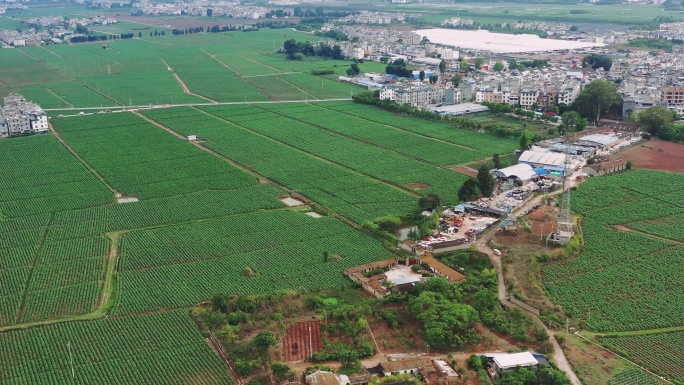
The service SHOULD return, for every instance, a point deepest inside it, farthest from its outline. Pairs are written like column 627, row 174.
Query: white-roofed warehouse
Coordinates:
column 522, row 173
column 553, row 161
column 598, row 140
column 507, row 362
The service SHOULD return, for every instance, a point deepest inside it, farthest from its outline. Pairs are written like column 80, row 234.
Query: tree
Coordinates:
column 498, row 66
column 456, row 80
column 597, row 61
column 326, row 256
column 210, row 12
column 573, row 28
column 353, row 70
column 442, row 66
column 524, row 140
column 448, row 324
column 465, row 67
column 421, row 75
column 496, row 160
column 433, row 79
column 479, row 62
column 485, row 181
column 596, row 99
column 264, row 340
column 654, row 118
column 581, row 124
column 469, row 190
column 429, row 202
column 629, row 165
column 570, row 119
column 221, row 301
column 281, row 372
column 139, row 34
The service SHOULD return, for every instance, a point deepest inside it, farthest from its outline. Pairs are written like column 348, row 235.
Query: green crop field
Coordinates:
column 633, row 377
column 624, row 280
column 224, row 67
column 146, row 349
column 344, row 191
column 181, row 265
column 662, row 353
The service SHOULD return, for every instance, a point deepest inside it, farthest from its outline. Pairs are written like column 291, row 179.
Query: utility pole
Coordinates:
column 567, row 329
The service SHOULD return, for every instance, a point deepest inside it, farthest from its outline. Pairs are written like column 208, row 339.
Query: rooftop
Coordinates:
column 514, row 360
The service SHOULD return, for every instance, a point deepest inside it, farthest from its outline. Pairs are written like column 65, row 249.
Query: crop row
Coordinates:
column 663, row 353
column 350, row 194
column 145, row 349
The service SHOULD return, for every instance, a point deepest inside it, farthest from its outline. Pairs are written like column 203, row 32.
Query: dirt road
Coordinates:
column 558, row 354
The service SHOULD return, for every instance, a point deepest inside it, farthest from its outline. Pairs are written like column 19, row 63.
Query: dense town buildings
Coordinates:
column 19, row 116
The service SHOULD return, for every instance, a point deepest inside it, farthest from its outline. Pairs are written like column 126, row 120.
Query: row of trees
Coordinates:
column 659, row 121
column 483, row 185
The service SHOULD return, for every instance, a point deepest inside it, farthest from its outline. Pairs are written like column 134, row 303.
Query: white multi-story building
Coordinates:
column 568, row 93
column 414, row 95
column 528, row 98
column 19, row 117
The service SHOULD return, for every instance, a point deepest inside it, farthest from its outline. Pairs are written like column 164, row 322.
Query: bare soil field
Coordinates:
column 656, row 155
column 302, row 340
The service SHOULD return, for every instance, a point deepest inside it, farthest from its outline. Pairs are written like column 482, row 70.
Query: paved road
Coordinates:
column 558, row 354
column 153, row 106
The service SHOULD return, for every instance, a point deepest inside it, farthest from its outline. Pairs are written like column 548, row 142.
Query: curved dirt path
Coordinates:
column 558, row 354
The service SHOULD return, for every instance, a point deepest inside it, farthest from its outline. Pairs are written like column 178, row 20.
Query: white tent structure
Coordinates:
column 553, row 161
column 522, row 173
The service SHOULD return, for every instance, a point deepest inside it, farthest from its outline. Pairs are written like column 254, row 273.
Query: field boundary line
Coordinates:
column 32, row 266
column 245, row 168
column 237, row 73
column 260, row 63
column 57, row 96
column 324, row 159
column 187, row 90
column 645, row 234
column 297, row 88
column 264, row 75
column 81, row 160
column 52, row 52
column 147, row 106
column 617, row 355
column 333, row 132
column 404, row 130
column 644, row 332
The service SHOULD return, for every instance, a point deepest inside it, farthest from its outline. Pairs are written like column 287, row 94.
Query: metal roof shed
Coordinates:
column 506, row 362
column 548, row 160
column 521, row 171
column 599, row 140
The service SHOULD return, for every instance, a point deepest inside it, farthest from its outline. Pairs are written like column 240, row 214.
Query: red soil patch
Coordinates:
column 418, row 185
column 465, row 171
column 538, row 214
column 302, row 340
column 656, row 155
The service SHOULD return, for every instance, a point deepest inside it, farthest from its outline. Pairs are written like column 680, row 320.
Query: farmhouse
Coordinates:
column 605, row 168
column 412, row 366
column 502, row 363
column 442, row 270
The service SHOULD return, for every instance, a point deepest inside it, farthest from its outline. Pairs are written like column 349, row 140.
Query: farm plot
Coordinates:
column 278, row 89
column 37, row 94
column 143, row 88
column 32, row 189
column 484, row 143
column 320, row 87
column 247, row 254
column 205, row 76
column 663, row 353
column 362, row 157
column 407, row 143
column 633, row 377
column 159, row 348
column 246, row 67
column 78, row 95
column 302, row 340
column 19, row 69
column 140, row 159
column 623, row 280
column 356, row 197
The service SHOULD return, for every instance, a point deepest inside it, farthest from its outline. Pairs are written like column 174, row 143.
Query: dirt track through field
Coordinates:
column 187, row 90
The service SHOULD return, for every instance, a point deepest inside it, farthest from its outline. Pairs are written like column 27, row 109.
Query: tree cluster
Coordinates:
column 597, row 61
column 398, row 67
column 298, row 50
column 596, row 99
column 659, row 121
